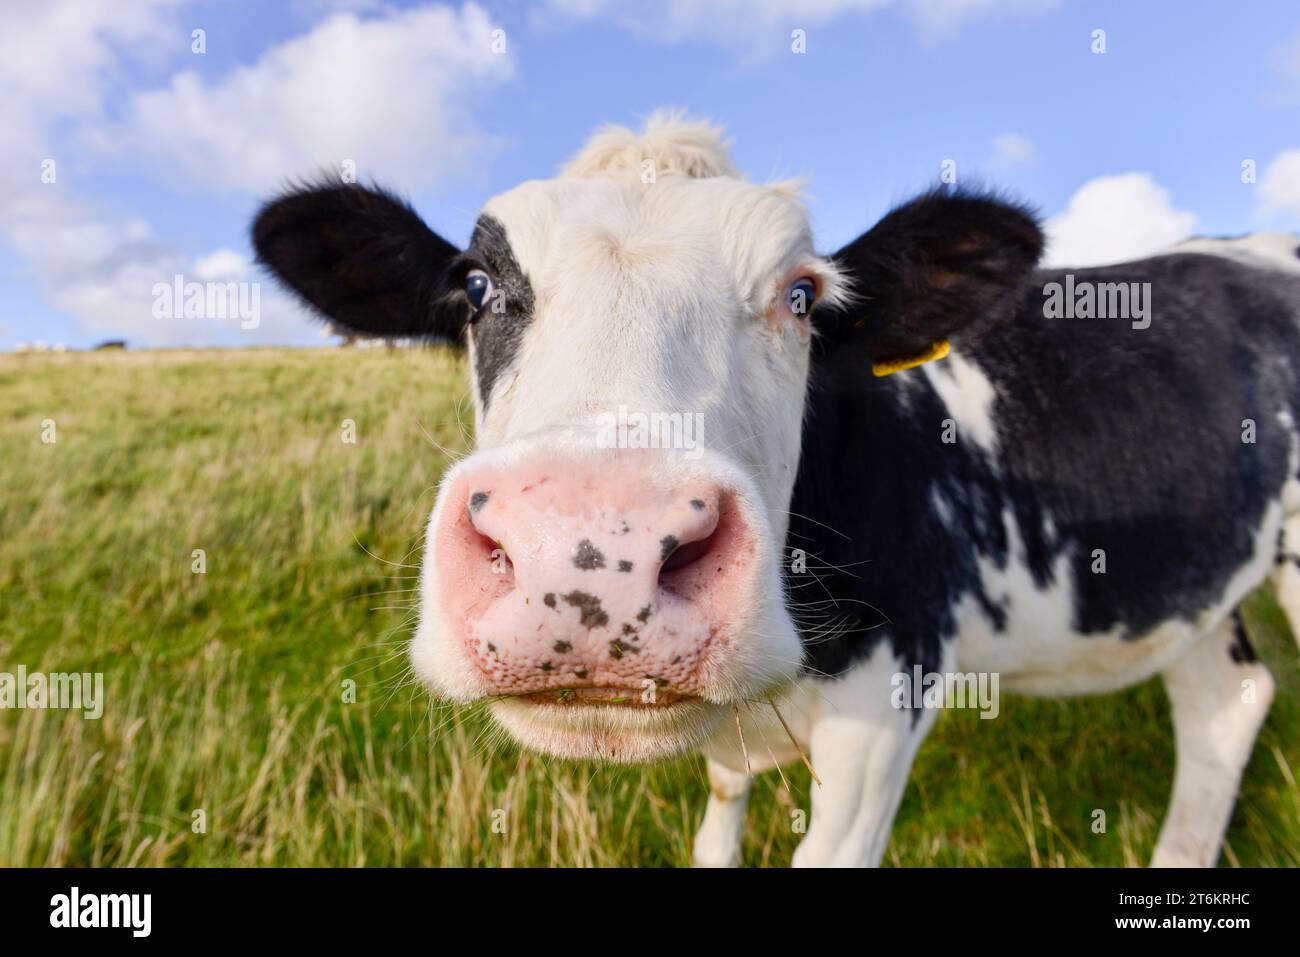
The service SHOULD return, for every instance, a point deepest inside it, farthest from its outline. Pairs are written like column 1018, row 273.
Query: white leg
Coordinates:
column 717, row 844
column 862, row 749
column 840, row 748
column 1219, row 696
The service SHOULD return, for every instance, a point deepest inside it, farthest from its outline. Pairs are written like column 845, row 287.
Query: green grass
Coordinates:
column 226, row 690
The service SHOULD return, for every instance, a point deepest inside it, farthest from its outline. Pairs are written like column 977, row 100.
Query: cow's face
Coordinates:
column 606, row 568
column 638, row 355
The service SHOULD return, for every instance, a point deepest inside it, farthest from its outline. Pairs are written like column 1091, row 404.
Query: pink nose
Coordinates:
column 592, row 583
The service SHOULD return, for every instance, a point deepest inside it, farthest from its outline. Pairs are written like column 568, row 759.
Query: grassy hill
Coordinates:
column 229, row 736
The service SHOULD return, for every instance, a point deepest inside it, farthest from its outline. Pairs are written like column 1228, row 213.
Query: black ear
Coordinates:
column 362, row 257
column 930, row 267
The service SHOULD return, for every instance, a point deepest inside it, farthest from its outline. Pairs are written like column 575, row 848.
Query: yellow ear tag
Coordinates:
column 936, row 351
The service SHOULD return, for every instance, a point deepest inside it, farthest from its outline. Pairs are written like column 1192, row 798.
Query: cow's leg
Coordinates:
column 1219, row 695
column 1286, row 578
column 717, row 844
column 862, row 749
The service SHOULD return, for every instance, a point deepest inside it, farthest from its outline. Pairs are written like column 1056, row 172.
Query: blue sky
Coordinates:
column 161, row 153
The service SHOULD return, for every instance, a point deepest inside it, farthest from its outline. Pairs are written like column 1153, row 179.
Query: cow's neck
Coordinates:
column 880, row 561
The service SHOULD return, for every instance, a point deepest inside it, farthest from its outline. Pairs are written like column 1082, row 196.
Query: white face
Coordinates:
column 613, row 600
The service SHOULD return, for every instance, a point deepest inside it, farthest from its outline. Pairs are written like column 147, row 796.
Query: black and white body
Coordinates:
column 1071, row 502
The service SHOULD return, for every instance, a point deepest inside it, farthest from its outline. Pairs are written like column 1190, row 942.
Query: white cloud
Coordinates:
column 1114, row 218
column 1012, row 149
column 759, row 28
column 1280, row 185
column 221, row 264
column 393, row 94
column 384, row 91
column 102, row 271
column 57, row 57
column 58, row 60
column 940, row 16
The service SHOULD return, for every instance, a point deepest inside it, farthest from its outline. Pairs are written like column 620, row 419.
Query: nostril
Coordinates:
column 714, row 550
column 495, row 555
column 696, row 538
column 683, row 556
column 480, row 538
column 690, row 566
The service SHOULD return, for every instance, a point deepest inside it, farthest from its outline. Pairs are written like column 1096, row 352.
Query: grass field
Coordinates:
column 226, row 691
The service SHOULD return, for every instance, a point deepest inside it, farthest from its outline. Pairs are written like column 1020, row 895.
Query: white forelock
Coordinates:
column 669, row 142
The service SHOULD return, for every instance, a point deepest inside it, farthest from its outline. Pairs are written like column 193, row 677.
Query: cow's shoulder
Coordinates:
column 1126, row 470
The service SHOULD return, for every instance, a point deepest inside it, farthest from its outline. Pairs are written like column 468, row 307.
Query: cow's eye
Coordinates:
column 478, row 287
column 801, row 295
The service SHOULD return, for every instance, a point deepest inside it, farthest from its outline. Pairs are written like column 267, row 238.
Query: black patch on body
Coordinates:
column 497, row 336
column 1240, row 650
column 1128, row 440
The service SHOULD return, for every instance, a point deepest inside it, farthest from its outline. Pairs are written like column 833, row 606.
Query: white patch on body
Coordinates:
column 969, row 395
column 1261, row 250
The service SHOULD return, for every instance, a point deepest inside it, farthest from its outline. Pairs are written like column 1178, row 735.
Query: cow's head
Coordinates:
column 611, row 596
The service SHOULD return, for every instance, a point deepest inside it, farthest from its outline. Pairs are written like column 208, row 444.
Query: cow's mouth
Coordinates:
column 607, row 723
column 606, row 696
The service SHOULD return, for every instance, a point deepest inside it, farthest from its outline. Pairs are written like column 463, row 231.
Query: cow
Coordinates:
column 733, row 495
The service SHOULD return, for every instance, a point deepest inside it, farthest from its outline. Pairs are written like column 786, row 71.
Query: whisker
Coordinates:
column 384, row 560
column 743, row 749
column 797, row 746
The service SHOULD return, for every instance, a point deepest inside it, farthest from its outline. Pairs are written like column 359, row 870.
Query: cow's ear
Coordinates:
column 927, row 269
column 362, row 257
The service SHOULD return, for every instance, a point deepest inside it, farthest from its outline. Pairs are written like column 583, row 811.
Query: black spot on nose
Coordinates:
column 698, row 504
column 617, row 649
column 667, row 545
column 643, row 615
column 587, row 556
column 589, row 607
column 624, row 565
column 549, row 599
column 477, row 501
column 560, row 647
